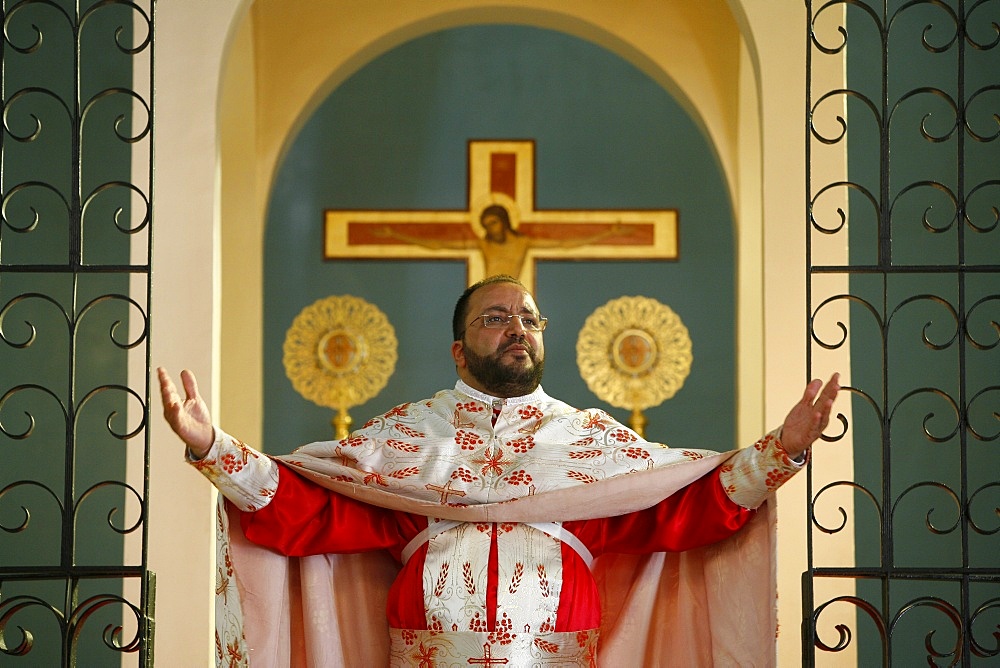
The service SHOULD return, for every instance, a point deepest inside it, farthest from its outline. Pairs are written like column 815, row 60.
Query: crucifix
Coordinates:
column 500, row 231
column 487, row 658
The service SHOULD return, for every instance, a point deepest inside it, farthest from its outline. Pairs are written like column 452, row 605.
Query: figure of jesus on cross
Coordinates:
column 501, row 232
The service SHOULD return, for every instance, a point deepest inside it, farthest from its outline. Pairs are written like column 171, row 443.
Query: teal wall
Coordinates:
column 394, row 136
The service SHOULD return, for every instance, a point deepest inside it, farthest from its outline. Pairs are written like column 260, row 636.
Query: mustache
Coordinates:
column 518, row 342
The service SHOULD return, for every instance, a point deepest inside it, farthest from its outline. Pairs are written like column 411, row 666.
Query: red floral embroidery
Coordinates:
column 247, row 452
column 519, row 477
column 478, row 624
column 635, row 453
column 405, row 472
column 470, row 583
column 463, row 474
column 353, row 441
column 583, row 442
column 229, row 563
column 467, row 439
column 515, row 580
column 426, row 656
column 585, row 454
column 763, row 443
column 442, row 580
column 543, row 581
column 402, row 445
column 471, row 407
column 493, row 462
column 528, row 412
column 546, row 646
column 205, row 463
column 522, row 445
column 234, row 653
column 594, row 421
column 691, row 454
column 398, row 411
column 582, row 477
column 231, row 463
column 775, row 477
column 375, row 477
column 502, row 634
column 623, row 436
column 408, row 431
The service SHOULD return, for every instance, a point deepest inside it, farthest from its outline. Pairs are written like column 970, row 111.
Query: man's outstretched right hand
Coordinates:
column 189, row 418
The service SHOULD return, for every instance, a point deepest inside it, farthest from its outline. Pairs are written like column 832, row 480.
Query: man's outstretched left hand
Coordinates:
column 809, row 417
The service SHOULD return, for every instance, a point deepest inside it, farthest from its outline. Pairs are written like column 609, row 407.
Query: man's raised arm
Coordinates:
column 754, row 473
column 190, row 418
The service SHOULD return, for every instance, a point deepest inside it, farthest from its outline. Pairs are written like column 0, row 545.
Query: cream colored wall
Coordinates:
column 782, row 194
column 777, row 31
column 243, row 205
column 190, row 43
column 696, row 43
column 210, row 223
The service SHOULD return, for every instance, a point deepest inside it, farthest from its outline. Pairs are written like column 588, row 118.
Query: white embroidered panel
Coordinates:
column 454, row 578
column 529, row 579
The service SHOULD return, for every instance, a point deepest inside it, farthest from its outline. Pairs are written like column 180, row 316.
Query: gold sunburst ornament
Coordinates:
column 340, row 352
column 634, row 353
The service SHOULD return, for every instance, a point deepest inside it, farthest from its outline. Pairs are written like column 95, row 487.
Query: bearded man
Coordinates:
column 512, row 528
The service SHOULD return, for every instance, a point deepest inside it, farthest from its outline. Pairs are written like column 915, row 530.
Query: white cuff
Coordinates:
column 244, row 476
column 753, row 473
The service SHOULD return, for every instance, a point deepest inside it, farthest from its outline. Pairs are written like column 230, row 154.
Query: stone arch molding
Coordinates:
column 692, row 50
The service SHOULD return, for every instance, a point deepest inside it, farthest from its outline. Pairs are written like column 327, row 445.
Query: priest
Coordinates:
column 492, row 524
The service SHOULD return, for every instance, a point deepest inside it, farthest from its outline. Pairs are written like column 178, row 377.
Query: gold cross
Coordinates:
column 487, row 658
column 445, row 491
column 501, row 174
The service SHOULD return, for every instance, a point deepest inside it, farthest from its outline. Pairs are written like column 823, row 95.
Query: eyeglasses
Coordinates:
column 531, row 323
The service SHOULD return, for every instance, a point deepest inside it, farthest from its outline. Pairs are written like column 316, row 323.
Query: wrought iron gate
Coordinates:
column 75, row 182
column 903, row 264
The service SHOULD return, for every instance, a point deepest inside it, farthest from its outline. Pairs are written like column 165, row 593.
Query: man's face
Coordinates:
column 506, row 361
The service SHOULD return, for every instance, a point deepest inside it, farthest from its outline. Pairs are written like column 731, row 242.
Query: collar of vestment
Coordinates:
column 465, row 388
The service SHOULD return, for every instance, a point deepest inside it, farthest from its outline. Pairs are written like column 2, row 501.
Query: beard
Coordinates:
column 506, row 380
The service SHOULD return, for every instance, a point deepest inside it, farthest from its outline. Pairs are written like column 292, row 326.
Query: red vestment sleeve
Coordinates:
column 698, row 515
column 304, row 518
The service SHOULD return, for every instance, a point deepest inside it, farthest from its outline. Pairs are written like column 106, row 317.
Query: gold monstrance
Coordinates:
column 634, row 353
column 339, row 353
